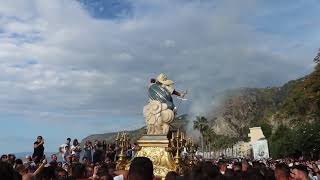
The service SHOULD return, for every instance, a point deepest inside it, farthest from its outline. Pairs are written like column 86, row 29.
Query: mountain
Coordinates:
column 288, row 115
column 296, row 102
column 180, row 122
column 110, row 137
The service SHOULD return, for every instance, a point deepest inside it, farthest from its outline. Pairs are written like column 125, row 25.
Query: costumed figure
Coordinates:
column 160, row 111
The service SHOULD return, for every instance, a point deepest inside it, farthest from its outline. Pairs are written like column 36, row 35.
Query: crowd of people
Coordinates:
column 97, row 161
column 92, row 152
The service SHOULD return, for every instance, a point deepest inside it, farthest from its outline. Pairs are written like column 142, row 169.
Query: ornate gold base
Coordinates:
column 155, row 147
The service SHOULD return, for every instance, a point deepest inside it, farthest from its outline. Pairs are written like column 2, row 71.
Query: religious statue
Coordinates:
column 159, row 113
column 160, row 110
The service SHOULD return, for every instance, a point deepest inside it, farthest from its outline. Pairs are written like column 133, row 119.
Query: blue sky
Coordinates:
column 71, row 68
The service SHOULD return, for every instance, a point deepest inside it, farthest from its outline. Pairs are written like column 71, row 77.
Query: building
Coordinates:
column 258, row 143
column 256, row 148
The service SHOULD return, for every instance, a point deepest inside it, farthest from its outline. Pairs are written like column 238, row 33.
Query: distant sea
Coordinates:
column 22, row 155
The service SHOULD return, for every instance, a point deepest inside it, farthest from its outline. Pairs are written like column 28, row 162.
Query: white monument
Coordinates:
column 260, row 149
column 259, row 143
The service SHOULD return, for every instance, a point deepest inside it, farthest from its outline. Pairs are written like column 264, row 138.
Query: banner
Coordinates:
column 260, row 149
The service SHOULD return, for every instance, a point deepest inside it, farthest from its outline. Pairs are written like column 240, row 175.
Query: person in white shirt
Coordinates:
column 76, row 149
column 64, row 149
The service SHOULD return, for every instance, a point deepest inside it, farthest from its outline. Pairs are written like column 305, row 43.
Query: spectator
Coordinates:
column 171, row 175
column 299, row 172
column 237, row 167
column 4, row 158
column 104, row 145
column 22, row 170
column 18, row 162
column 98, row 153
column 61, row 173
column 35, row 173
column 54, row 157
column 282, row 172
column 7, row 172
column 59, row 164
column 111, row 169
column 11, row 158
column 89, row 171
column 244, row 165
column 78, row 171
column 69, row 160
column 66, row 167
column 75, row 159
column 85, row 161
column 38, row 150
column 46, row 173
column 28, row 161
column 88, row 151
column 222, row 166
column 141, row 168
column 204, row 170
column 129, row 152
column 53, row 164
column 75, row 148
column 134, row 149
column 64, row 149
column 108, row 160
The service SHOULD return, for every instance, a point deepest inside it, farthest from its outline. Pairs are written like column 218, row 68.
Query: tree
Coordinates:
column 282, row 142
column 201, row 124
column 303, row 140
column 209, row 136
column 308, row 140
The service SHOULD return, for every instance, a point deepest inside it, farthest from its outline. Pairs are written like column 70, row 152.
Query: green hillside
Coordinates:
column 289, row 115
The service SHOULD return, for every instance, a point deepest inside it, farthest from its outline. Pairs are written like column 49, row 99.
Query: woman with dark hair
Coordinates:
column 4, row 158
column 171, row 175
column 76, row 149
column 98, row 153
column 38, row 150
column 104, row 145
column 104, row 149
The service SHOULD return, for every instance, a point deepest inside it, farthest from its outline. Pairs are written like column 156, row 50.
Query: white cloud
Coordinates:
column 169, row 43
column 98, row 68
column 123, row 56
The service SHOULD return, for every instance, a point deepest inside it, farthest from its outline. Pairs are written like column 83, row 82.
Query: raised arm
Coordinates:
column 179, row 94
column 37, row 145
column 44, row 162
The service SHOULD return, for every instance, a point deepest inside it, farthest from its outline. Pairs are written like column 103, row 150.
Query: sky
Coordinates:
column 71, row 68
